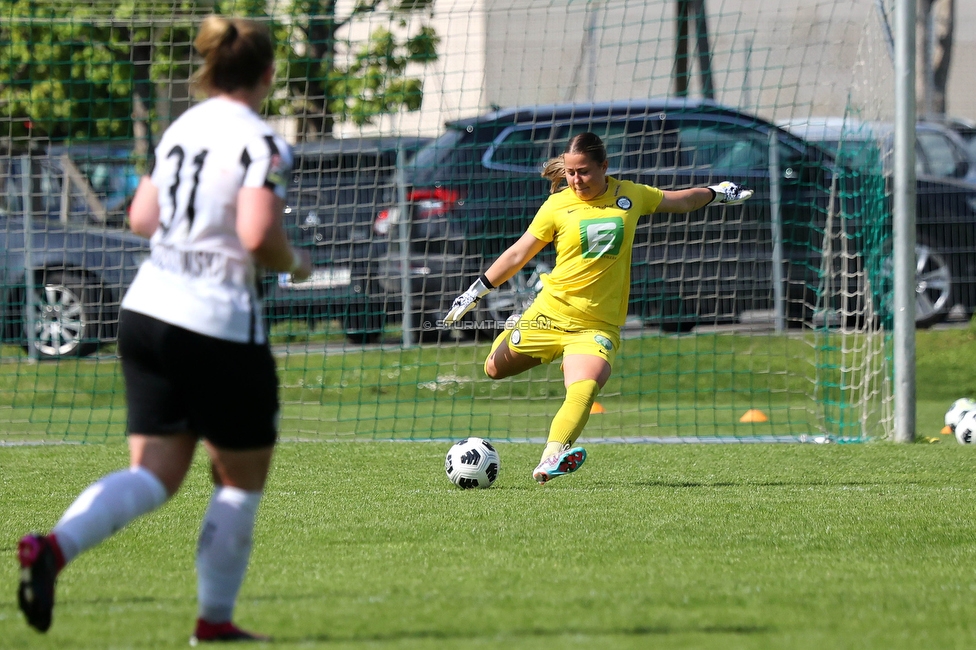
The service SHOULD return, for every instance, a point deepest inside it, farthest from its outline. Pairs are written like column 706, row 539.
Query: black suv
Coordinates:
column 946, row 196
column 474, row 190
column 335, row 190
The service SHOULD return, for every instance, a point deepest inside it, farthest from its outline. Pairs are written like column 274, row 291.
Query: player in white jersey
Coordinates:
column 194, row 350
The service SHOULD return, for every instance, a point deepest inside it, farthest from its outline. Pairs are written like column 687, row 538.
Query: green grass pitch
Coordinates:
column 367, row 545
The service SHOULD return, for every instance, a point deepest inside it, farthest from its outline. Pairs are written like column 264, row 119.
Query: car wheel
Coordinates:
column 933, row 287
column 933, row 294
column 64, row 318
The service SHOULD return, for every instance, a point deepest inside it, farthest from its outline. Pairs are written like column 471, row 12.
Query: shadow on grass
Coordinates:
column 736, row 484
column 600, row 485
column 438, row 635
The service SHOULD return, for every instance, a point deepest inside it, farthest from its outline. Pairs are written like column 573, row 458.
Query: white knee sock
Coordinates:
column 223, row 551
column 106, row 506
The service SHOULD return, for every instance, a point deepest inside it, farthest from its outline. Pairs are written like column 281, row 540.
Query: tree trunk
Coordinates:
column 318, row 120
column 682, row 57
column 141, row 100
column 933, row 41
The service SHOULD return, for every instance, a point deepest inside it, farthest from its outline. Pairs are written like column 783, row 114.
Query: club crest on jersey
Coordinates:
column 624, row 203
column 604, row 342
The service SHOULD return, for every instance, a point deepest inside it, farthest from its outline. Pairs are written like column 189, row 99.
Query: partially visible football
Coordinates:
column 472, row 463
column 965, row 430
column 957, row 410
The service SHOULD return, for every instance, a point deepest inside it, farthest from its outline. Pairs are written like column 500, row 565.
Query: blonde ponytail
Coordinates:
column 555, row 171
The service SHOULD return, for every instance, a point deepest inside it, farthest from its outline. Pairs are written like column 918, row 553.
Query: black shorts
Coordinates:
column 178, row 381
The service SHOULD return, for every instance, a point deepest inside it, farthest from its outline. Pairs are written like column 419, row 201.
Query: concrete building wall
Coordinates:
column 776, row 58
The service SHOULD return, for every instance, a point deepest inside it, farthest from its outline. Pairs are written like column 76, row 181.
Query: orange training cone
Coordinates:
column 597, row 408
column 754, row 415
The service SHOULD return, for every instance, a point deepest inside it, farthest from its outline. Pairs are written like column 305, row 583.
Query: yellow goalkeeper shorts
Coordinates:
column 550, row 336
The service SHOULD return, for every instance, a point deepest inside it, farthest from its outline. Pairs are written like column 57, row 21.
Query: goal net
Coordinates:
column 419, row 131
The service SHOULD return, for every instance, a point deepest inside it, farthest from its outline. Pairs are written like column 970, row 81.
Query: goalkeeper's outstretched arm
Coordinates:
column 726, row 193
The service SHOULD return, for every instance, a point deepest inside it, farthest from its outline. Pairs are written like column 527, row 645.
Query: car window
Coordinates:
column 941, row 157
column 113, row 181
column 434, row 152
column 971, row 149
column 522, row 149
column 450, row 157
column 45, row 191
column 10, row 183
column 526, row 149
column 696, row 144
column 723, row 146
column 856, row 153
column 614, row 136
column 644, row 147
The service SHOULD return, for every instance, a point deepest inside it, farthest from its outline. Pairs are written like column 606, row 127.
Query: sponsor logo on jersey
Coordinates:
column 624, row 203
column 599, row 237
column 604, row 342
column 516, row 336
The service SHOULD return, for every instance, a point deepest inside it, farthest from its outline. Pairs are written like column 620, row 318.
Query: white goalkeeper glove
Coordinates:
column 467, row 300
column 729, row 193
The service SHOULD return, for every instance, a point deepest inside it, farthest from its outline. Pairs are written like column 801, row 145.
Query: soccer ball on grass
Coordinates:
column 472, row 463
column 965, row 430
column 957, row 410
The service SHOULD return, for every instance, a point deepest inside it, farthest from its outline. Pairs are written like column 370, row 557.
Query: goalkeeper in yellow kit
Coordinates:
column 578, row 314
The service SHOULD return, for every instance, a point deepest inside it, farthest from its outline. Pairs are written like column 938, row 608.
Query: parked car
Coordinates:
column 939, row 151
column 337, row 188
column 946, row 200
column 63, row 273
column 965, row 129
column 474, row 190
column 108, row 168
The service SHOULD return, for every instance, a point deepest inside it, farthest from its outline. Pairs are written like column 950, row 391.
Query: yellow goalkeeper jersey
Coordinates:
column 594, row 241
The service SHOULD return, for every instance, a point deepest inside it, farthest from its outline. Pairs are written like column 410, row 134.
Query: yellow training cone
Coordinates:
column 597, row 408
column 946, row 431
column 754, row 415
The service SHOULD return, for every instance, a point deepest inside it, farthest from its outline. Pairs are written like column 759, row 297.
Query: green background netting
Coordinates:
column 87, row 90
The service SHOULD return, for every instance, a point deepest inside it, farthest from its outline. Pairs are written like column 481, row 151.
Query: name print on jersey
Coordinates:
column 603, row 236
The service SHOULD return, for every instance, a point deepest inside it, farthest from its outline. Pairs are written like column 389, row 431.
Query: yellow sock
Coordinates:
column 571, row 417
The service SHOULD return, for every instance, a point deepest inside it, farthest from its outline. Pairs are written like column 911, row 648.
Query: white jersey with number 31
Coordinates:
column 199, row 276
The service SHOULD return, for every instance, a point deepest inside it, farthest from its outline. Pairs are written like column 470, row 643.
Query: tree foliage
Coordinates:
column 59, row 77
column 76, row 71
column 332, row 79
